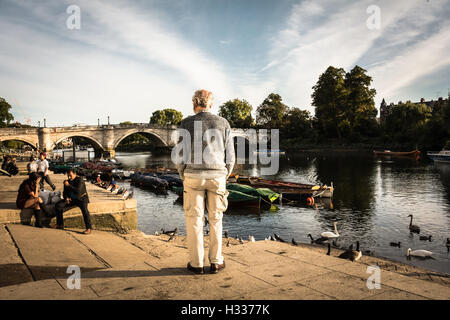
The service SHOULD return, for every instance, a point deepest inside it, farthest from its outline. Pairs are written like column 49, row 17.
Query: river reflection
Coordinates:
column 373, row 197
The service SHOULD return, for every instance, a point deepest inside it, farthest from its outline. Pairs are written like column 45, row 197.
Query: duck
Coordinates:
column 277, row 237
column 395, row 244
column 294, row 242
column 448, row 244
column 413, row 227
column 419, row 253
column 329, row 234
column 350, row 254
column 320, row 240
column 426, row 238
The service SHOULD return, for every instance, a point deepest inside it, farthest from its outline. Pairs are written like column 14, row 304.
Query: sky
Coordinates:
column 130, row 58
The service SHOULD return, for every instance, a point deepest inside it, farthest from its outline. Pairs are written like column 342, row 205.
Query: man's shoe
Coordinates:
column 195, row 270
column 87, row 231
column 217, row 267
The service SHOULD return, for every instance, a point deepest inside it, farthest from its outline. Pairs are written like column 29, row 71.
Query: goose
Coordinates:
column 413, row 227
column 170, row 233
column 241, row 240
column 426, row 238
column 206, row 221
column 228, row 243
column 251, row 238
column 448, row 244
column 351, row 254
column 294, row 242
column 278, row 237
column 418, row 253
column 272, row 238
column 395, row 244
column 320, row 240
column 329, row 249
column 329, row 234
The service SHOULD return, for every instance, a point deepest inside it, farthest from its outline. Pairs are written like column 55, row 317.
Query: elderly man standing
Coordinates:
column 204, row 171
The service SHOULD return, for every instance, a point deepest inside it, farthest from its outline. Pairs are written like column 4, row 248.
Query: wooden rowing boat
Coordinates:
column 414, row 153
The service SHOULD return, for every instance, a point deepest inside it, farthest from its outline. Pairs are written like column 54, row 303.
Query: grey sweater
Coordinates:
column 213, row 156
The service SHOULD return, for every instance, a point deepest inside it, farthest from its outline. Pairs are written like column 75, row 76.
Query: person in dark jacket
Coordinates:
column 74, row 195
column 28, row 197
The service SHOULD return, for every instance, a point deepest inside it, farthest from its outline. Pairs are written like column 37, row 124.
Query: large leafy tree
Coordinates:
column 272, row 112
column 359, row 109
column 5, row 116
column 297, row 124
column 166, row 117
column 328, row 98
column 238, row 113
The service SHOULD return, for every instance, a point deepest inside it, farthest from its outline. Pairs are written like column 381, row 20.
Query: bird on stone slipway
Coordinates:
column 277, row 237
column 320, row 240
column 241, row 241
column 294, row 242
column 206, row 221
column 272, row 238
column 226, row 234
column 251, row 238
column 351, row 254
column 228, row 243
column 170, row 232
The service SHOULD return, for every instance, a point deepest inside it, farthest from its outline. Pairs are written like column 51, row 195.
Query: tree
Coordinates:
column 5, row 116
column 238, row 113
column 271, row 113
column 166, row 117
column 360, row 109
column 328, row 99
column 298, row 124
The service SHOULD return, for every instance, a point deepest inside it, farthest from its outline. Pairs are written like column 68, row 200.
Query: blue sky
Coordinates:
column 131, row 58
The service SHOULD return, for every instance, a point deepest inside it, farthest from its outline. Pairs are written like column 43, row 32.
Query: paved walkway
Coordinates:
column 34, row 261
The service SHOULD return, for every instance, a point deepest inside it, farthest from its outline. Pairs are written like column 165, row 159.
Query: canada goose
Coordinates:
column 329, row 234
column 418, row 253
column 413, row 227
column 320, row 240
column 277, row 237
column 170, row 233
column 351, row 254
column 251, row 238
column 241, row 241
column 426, row 238
column 294, row 242
column 395, row 244
column 329, row 249
column 272, row 238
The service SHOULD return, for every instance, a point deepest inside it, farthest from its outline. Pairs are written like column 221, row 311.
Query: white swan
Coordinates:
column 329, row 234
column 418, row 253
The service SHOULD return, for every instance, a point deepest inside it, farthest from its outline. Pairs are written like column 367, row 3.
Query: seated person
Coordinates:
column 28, row 196
column 74, row 195
column 32, row 166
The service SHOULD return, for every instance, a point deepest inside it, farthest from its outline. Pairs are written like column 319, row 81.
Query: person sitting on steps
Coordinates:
column 28, row 197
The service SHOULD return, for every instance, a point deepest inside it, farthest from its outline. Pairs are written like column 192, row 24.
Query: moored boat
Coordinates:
column 441, row 156
column 414, row 153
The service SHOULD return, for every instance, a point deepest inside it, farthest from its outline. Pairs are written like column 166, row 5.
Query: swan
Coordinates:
column 329, row 234
column 320, row 240
column 353, row 255
column 418, row 253
column 413, row 227
column 395, row 244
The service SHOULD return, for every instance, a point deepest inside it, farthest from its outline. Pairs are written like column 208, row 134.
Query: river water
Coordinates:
column 373, row 197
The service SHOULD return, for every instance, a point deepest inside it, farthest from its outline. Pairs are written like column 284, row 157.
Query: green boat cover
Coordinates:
column 233, row 196
column 264, row 193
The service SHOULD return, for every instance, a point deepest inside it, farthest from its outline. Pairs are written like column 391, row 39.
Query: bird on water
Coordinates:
column 329, row 234
column 412, row 227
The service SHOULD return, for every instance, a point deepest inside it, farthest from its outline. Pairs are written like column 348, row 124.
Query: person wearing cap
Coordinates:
column 204, row 181
column 42, row 165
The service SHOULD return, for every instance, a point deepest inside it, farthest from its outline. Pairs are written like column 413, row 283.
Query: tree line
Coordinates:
column 345, row 114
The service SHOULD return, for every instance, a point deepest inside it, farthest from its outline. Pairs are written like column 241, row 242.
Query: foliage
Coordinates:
column 271, row 113
column 166, row 117
column 298, row 124
column 238, row 113
column 5, row 116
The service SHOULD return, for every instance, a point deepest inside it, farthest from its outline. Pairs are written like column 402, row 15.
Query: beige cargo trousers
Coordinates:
column 196, row 193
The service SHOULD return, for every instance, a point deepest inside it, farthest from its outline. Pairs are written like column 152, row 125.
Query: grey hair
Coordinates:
column 203, row 98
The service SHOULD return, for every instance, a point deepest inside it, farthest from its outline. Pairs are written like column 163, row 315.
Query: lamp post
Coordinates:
column 45, row 123
column 108, row 120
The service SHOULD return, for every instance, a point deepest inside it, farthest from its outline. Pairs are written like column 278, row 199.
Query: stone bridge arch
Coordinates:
column 155, row 137
column 96, row 144
column 29, row 140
